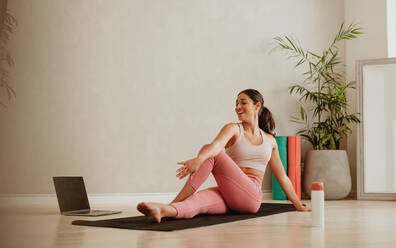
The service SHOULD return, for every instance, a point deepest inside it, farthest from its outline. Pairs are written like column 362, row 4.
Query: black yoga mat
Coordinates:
column 172, row 224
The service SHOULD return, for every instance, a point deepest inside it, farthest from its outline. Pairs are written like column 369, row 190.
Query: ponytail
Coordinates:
column 266, row 121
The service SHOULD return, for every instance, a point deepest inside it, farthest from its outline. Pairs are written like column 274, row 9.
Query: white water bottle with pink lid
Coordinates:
column 317, row 202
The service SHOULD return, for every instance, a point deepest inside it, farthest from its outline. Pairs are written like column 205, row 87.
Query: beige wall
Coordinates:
column 391, row 27
column 119, row 91
column 371, row 15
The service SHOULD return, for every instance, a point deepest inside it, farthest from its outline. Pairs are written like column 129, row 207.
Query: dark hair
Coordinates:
column 266, row 121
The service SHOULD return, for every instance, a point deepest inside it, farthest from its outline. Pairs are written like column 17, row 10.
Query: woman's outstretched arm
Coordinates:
column 284, row 181
column 218, row 144
column 209, row 151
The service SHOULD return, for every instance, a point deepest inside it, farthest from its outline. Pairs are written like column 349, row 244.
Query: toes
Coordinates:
column 139, row 206
column 142, row 207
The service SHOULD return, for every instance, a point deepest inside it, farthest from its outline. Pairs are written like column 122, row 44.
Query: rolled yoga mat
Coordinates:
column 172, row 224
column 294, row 162
column 277, row 191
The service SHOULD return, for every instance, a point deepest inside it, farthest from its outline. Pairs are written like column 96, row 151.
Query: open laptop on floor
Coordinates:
column 73, row 199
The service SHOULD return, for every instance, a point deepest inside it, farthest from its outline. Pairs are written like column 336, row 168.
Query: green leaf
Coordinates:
column 302, row 113
column 300, row 62
column 332, row 143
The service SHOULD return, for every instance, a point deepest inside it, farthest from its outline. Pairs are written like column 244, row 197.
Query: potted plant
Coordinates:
column 323, row 89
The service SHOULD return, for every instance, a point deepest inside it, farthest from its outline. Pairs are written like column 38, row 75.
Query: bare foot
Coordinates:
column 151, row 210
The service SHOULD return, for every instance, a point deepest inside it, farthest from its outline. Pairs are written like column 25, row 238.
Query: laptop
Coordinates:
column 73, row 199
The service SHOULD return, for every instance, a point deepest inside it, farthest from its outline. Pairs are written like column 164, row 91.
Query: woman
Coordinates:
column 239, row 171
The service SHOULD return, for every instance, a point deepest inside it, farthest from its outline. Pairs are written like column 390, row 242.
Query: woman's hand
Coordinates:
column 189, row 167
column 304, row 208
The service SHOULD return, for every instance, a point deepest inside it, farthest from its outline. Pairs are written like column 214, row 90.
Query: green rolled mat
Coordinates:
column 277, row 192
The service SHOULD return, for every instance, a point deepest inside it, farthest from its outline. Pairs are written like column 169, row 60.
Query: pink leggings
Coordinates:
column 236, row 191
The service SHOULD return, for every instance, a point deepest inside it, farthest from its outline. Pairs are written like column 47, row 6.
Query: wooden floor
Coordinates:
column 349, row 223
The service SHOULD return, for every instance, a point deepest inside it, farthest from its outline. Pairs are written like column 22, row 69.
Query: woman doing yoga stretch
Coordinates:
column 239, row 171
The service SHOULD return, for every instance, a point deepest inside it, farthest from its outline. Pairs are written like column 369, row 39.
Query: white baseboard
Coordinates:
column 267, row 194
column 110, row 198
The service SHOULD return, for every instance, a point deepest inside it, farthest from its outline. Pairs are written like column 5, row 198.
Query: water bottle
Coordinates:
column 317, row 201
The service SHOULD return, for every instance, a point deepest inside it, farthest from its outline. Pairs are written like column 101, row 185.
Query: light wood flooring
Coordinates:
column 348, row 223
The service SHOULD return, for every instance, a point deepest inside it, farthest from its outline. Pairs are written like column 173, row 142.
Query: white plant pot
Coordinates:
column 330, row 167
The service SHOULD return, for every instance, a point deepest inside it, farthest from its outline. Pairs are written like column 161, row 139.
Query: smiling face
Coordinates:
column 245, row 108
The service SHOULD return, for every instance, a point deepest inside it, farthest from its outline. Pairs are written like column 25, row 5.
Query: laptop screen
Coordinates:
column 71, row 193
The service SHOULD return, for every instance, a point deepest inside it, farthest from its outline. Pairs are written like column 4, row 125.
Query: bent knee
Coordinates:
column 221, row 153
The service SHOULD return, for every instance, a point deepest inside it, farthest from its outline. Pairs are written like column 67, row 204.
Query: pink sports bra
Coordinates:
column 248, row 155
